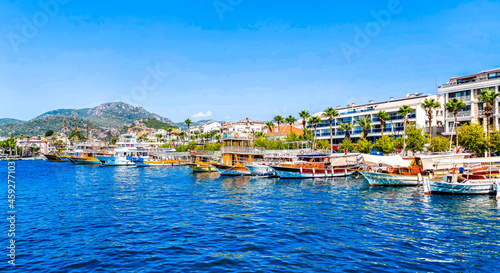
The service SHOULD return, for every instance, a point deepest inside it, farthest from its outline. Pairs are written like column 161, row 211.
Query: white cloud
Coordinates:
column 202, row 115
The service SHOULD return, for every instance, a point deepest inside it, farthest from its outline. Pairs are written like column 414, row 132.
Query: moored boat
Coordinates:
column 319, row 166
column 466, row 180
column 236, row 152
column 53, row 158
column 201, row 161
column 392, row 170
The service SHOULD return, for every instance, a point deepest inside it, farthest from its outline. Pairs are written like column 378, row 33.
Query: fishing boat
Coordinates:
column 160, row 159
column 477, row 176
column 392, row 170
column 319, row 166
column 201, row 161
column 53, row 158
column 236, row 152
column 85, row 159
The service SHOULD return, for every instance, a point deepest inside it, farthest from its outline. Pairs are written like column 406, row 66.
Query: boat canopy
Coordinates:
column 474, row 160
column 388, row 160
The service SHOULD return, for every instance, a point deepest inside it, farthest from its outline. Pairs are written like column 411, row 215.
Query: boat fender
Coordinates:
column 300, row 169
column 390, row 169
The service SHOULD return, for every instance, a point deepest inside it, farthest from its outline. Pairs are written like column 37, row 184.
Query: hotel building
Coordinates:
column 467, row 88
column 394, row 126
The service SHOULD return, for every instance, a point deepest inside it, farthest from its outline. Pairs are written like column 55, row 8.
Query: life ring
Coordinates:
column 250, row 136
column 390, row 169
column 302, row 152
column 369, row 169
column 236, row 135
column 323, row 151
column 193, row 152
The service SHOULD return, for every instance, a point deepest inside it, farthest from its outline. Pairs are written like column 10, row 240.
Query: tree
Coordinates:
column 188, row 123
column 346, row 145
column 158, row 137
column 405, row 110
column 453, row 106
column 494, row 140
column 488, row 97
column 113, row 140
column 385, row 145
column 383, row 116
column 471, row 137
column 290, row 120
column 279, row 119
column 304, row 115
column 439, row 144
column 270, row 125
column 331, row 113
column 49, row 133
column 365, row 123
column 314, row 121
column 416, row 139
column 364, row 146
column 346, row 127
column 428, row 105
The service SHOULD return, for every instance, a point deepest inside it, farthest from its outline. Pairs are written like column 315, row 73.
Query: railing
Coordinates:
column 246, row 150
column 463, row 113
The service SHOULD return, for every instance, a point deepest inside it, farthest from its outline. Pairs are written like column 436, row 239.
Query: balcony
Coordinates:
column 480, row 112
column 463, row 113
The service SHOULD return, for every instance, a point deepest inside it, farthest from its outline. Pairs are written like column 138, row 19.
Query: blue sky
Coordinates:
column 235, row 58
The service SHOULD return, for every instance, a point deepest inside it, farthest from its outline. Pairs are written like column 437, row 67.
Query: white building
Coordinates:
column 244, row 126
column 394, row 126
column 466, row 88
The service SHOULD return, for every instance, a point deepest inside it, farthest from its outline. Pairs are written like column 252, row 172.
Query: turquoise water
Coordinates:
column 120, row 219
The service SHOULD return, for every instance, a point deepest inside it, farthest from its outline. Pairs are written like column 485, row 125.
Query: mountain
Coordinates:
column 8, row 120
column 195, row 123
column 112, row 115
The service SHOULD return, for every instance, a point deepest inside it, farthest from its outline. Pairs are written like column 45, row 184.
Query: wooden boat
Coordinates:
column 201, row 161
column 53, row 158
column 236, row 152
column 160, row 159
column 318, row 166
column 466, row 180
column 85, row 159
column 392, row 170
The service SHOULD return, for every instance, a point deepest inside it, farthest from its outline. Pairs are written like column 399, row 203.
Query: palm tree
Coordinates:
column 188, row 123
column 429, row 105
column 270, row 125
column 366, row 124
column 346, row 127
column 331, row 113
column 314, row 121
column 158, row 137
column 279, row 119
column 405, row 110
column 453, row 106
column 304, row 115
column 488, row 97
column 383, row 116
column 290, row 120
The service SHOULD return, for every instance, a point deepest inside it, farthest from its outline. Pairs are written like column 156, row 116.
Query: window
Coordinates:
column 466, row 80
column 459, row 94
column 494, row 75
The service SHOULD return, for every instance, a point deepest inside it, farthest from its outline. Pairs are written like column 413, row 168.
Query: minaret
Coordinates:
column 88, row 130
column 74, row 116
column 65, row 127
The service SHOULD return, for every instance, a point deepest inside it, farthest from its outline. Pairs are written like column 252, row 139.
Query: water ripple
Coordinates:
column 84, row 219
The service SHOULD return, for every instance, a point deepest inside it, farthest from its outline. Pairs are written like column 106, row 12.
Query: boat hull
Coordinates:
column 115, row 161
column 168, row 163
column 441, row 187
column 226, row 170
column 53, row 158
column 383, row 179
column 292, row 172
column 200, row 167
column 85, row 161
column 261, row 171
